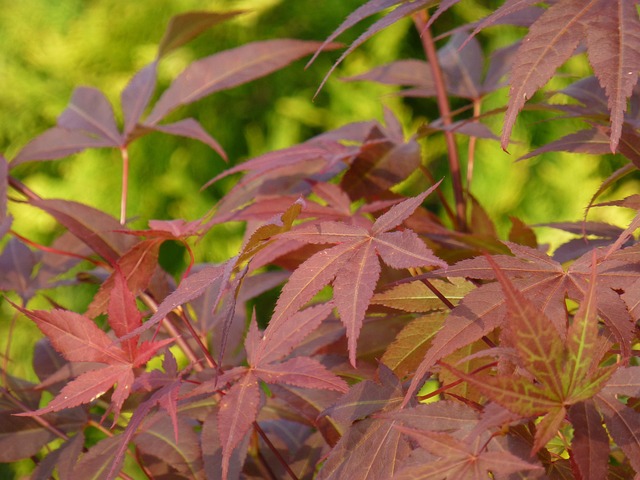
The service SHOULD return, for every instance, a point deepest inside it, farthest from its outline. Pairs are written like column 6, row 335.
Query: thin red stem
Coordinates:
column 125, row 184
column 420, row 19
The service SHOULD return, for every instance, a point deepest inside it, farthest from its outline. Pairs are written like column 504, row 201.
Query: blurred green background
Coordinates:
column 52, row 47
column 49, row 48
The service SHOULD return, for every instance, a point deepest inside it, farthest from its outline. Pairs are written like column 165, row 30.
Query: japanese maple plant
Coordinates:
column 403, row 344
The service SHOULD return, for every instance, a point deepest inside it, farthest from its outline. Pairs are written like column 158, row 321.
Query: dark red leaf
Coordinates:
column 187, row 26
column 156, row 439
column 590, row 444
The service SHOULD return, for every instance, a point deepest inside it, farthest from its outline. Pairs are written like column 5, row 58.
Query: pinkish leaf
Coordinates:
column 405, row 250
column 368, row 9
column 89, row 386
column 413, row 73
column 403, row 10
column 76, row 337
column 57, row 142
column 93, row 227
column 550, row 42
column 190, row 128
column 234, row 422
column 90, row 111
column 136, row 95
column 228, row 69
column 400, row 212
column 308, row 279
column 467, row 459
column 191, row 287
column 280, row 339
column 301, row 372
column 352, row 291
column 123, row 313
column 612, row 45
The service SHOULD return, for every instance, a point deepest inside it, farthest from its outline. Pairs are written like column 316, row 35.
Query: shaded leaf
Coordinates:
column 460, row 459
column 157, row 439
column 410, row 346
column 17, row 262
column 371, row 450
column 187, row 26
column 590, row 444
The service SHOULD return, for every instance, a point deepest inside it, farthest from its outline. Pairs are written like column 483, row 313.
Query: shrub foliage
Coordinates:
column 402, row 345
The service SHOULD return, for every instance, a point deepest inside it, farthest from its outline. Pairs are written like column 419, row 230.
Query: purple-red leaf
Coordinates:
column 614, row 53
column 58, row 142
column 136, row 96
column 76, row 337
column 191, row 287
column 123, row 313
column 590, row 444
column 235, row 422
column 95, row 228
column 137, row 265
column 187, row 26
column 550, row 42
column 90, row 111
column 301, row 372
column 190, row 128
column 280, row 339
column 228, row 69
column 91, row 385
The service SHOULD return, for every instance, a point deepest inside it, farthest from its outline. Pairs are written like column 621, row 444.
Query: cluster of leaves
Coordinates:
column 399, row 347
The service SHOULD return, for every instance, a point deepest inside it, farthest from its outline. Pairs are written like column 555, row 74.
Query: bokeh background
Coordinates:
column 48, row 48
